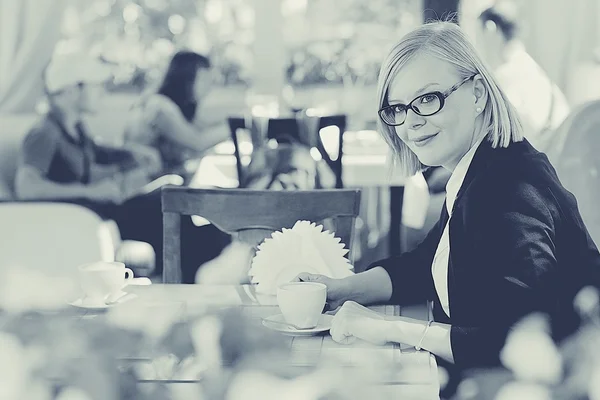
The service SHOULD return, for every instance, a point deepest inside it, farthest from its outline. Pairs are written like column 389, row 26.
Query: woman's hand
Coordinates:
column 354, row 321
column 337, row 291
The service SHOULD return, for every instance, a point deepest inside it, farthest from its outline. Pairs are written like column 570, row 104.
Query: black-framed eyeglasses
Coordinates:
column 424, row 105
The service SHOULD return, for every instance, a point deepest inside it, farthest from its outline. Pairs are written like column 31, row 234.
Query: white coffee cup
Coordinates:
column 302, row 303
column 101, row 279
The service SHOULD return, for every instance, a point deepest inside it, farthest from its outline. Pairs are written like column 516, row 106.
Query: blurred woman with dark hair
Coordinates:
column 167, row 118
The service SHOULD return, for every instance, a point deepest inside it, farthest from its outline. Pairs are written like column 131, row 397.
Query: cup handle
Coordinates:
column 128, row 275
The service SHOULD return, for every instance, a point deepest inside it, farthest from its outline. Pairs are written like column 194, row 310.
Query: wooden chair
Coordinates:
column 252, row 215
column 52, row 238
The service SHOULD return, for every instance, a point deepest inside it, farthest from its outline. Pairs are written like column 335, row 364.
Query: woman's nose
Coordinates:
column 414, row 120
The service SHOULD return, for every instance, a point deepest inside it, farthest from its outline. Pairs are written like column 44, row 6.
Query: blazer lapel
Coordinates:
column 483, row 158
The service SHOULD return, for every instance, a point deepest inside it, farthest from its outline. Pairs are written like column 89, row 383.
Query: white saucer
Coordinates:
column 83, row 303
column 323, row 325
column 142, row 281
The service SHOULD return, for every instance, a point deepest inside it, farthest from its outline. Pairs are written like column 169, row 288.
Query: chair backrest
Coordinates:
column 575, row 155
column 284, row 130
column 268, row 163
column 235, row 124
column 288, row 130
column 334, row 163
column 252, row 215
column 53, row 238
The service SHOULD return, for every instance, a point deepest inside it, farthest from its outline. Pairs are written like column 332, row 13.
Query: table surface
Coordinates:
column 408, row 372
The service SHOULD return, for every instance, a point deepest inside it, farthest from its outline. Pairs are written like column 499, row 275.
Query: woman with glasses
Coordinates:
column 510, row 240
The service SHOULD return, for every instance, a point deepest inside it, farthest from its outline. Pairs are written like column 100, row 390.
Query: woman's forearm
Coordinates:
column 372, row 286
column 410, row 331
column 188, row 135
column 99, row 172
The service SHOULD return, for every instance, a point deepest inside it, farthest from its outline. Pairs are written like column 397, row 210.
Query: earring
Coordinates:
column 478, row 110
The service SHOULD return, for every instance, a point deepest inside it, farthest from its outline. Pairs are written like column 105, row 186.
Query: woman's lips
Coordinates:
column 420, row 142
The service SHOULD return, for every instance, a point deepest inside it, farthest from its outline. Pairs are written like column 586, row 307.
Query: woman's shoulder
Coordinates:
column 520, row 162
column 518, row 173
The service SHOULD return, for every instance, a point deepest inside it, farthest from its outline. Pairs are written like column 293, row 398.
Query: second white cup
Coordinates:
column 101, row 279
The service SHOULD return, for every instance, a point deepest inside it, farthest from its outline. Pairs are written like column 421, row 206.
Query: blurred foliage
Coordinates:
column 139, row 36
column 339, row 41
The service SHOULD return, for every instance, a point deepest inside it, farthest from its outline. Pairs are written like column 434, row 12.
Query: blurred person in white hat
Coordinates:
column 68, row 80
column 60, row 152
column 59, row 160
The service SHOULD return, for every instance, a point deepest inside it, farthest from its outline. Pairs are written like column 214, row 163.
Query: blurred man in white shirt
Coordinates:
column 541, row 104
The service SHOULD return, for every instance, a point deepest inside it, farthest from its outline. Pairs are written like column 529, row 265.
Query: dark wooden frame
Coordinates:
column 252, row 215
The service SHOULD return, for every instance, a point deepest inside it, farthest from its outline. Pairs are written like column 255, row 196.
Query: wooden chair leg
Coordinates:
column 172, row 248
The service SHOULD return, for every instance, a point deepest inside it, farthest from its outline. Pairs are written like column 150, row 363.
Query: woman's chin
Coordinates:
column 429, row 158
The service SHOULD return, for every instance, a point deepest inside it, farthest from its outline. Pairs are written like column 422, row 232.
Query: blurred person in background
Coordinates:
column 540, row 103
column 60, row 161
column 168, row 119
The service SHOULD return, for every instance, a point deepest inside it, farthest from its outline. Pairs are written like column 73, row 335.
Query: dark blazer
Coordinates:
column 517, row 245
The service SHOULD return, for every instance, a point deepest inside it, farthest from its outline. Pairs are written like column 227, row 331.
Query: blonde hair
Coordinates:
column 447, row 42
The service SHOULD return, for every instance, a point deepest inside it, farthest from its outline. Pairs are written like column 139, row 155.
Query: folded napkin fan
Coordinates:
column 303, row 248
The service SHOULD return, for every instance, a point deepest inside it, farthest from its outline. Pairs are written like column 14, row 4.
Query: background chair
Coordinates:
column 289, row 131
column 53, row 238
column 575, row 155
column 252, row 215
column 285, row 130
column 282, row 130
column 235, row 124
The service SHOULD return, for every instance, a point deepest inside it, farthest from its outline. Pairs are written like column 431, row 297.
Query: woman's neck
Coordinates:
column 477, row 138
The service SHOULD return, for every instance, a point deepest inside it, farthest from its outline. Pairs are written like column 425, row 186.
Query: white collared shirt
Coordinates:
column 439, row 267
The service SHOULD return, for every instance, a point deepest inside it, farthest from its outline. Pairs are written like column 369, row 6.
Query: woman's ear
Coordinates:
column 480, row 93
